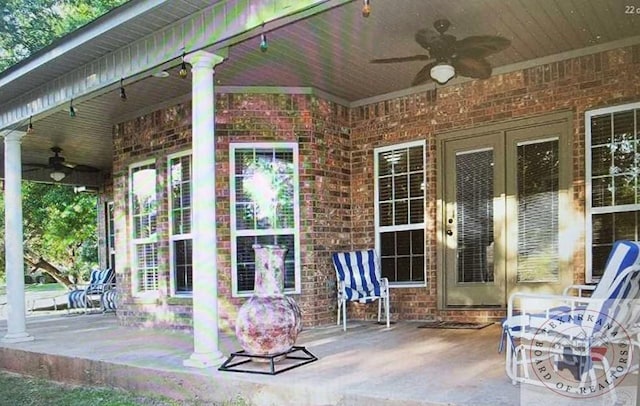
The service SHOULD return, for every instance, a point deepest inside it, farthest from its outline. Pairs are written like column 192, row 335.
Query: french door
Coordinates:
column 505, row 214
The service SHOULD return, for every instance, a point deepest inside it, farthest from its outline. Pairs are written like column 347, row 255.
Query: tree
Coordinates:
column 59, row 223
column 60, row 226
column 60, row 230
column 27, row 26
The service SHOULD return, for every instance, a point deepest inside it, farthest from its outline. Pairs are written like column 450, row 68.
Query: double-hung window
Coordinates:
column 143, row 209
column 181, row 245
column 399, row 212
column 264, row 209
column 613, row 188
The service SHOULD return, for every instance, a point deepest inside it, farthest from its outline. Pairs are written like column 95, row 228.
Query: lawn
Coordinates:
column 36, row 287
column 45, row 287
column 17, row 390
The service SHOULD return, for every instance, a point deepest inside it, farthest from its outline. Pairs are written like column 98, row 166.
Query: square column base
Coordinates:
column 17, row 338
column 204, row 360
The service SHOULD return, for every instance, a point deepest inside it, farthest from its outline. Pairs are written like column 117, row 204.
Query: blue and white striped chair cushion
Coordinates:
column 360, row 274
column 98, row 280
column 623, row 255
column 77, row 299
column 108, row 300
column 611, row 289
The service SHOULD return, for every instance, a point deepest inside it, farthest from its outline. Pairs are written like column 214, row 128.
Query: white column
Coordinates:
column 205, row 272
column 13, row 235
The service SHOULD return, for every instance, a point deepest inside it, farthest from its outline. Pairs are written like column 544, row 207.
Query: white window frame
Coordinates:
column 589, row 277
column 296, row 212
column 135, row 286
column 177, row 237
column 380, row 229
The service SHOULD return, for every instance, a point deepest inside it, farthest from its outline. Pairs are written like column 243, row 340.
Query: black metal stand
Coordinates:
column 270, row 360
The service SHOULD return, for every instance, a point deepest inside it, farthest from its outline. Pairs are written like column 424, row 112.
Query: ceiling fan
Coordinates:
column 449, row 57
column 59, row 167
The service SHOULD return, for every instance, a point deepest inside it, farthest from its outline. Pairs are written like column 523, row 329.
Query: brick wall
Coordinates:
column 316, row 125
column 153, row 136
column 577, row 85
column 336, row 175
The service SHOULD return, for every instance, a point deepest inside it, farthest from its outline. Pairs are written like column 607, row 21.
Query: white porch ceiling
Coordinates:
column 329, row 51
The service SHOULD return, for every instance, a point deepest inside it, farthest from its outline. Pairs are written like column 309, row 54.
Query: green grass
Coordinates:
column 35, row 287
column 46, row 287
column 17, row 390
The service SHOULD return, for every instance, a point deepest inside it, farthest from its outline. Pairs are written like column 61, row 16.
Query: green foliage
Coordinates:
column 2, row 267
column 25, row 26
column 77, row 13
column 29, row 25
column 59, row 225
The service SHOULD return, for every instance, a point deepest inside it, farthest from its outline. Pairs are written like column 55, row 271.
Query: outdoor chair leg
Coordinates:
column 86, row 304
column 386, row 308
column 344, row 316
column 525, row 363
column 511, row 361
column 379, row 310
column 339, row 309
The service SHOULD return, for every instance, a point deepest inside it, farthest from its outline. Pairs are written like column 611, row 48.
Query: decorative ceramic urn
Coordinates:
column 269, row 322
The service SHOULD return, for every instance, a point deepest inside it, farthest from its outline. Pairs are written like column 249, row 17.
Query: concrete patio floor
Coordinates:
column 367, row 365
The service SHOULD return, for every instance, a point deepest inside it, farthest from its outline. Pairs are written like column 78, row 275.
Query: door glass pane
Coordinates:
column 474, row 215
column 538, row 182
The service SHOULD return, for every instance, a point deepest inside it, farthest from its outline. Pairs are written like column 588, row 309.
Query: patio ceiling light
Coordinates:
column 264, row 45
column 442, row 72
column 30, row 126
column 57, row 175
column 123, row 94
column 366, row 8
column 72, row 110
column 183, row 68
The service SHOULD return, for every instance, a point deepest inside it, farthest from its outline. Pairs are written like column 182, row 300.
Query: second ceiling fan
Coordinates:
column 59, row 167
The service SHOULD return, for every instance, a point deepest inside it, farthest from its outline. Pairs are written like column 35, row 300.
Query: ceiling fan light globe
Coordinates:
column 366, row 8
column 57, row 175
column 442, row 73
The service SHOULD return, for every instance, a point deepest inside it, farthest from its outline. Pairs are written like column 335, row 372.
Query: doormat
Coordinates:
column 454, row 325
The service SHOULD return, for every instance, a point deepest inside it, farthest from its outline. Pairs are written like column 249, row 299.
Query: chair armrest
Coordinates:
column 99, row 288
column 571, row 301
column 579, row 288
column 341, row 291
column 384, row 285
